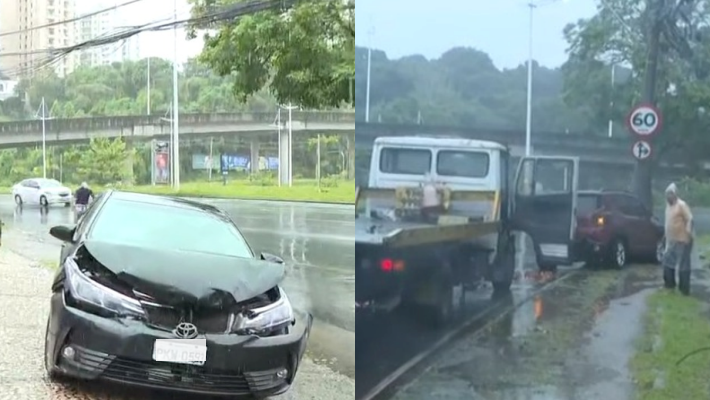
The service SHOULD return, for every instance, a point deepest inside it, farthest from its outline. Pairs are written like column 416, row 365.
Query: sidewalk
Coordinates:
column 24, row 292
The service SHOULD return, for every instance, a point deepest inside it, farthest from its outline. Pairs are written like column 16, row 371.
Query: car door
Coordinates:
column 640, row 230
column 31, row 191
column 544, row 206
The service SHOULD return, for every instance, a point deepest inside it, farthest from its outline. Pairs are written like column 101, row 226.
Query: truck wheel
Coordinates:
column 504, row 268
column 443, row 311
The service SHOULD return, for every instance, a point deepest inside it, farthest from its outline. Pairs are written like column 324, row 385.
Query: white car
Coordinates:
column 41, row 191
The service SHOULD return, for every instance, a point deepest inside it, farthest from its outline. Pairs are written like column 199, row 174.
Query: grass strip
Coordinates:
column 674, row 326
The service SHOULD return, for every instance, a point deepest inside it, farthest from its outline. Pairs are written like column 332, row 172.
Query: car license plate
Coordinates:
column 180, row 351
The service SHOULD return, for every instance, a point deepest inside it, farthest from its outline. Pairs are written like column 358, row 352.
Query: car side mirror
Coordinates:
column 63, row 233
column 272, row 258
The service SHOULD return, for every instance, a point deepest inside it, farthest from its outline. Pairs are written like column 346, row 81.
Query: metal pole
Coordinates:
column 611, row 101
column 44, row 139
column 176, row 112
column 211, row 160
column 147, row 90
column 318, row 161
column 278, row 133
column 528, row 117
column 290, row 147
column 153, row 144
column 367, row 90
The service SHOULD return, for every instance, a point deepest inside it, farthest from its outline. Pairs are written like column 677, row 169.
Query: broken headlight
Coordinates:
column 85, row 290
column 274, row 316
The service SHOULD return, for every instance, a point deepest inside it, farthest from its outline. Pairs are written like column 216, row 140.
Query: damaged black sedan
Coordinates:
column 166, row 293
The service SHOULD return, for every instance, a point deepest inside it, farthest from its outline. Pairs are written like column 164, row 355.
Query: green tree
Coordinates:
column 303, row 55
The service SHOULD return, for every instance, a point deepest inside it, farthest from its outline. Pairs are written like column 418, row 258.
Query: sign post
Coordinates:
column 641, row 150
column 644, row 121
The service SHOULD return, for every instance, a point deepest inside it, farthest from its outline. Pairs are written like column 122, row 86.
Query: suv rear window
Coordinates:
column 587, row 204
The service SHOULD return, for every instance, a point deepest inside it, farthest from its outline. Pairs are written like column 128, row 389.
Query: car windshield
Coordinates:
column 170, row 228
column 49, row 183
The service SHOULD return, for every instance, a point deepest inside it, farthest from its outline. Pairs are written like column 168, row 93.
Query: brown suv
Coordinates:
column 614, row 228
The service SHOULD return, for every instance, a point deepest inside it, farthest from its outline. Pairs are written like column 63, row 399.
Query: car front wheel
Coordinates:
column 18, row 199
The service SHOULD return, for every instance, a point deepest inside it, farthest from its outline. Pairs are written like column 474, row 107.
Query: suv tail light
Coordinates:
column 390, row 265
column 599, row 220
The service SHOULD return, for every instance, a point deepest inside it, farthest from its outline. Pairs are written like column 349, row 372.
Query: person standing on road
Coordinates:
column 82, row 197
column 679, row 241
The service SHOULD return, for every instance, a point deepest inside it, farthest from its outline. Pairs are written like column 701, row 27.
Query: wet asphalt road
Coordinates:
column 316, row 242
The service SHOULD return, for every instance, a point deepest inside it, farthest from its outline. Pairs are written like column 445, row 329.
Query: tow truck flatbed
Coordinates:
column 397, row 234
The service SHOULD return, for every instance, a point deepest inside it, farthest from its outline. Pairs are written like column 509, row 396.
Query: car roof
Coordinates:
column 169, row 201
column 603, row 192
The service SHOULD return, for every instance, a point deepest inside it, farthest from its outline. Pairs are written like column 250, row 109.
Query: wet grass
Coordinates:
column 674, row 326
column 702, row 243
column 331, row 191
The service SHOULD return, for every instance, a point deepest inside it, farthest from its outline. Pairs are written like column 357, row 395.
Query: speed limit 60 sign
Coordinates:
column 644, row 120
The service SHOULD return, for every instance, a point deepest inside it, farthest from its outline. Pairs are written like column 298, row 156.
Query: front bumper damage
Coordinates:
column 120, row 349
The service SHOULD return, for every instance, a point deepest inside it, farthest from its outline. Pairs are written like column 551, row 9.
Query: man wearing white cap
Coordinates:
column 679, row 241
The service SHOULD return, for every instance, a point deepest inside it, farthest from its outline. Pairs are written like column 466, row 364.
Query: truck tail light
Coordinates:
column 390, row 265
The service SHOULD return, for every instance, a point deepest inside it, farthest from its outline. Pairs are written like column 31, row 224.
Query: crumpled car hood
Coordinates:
column 175, row 277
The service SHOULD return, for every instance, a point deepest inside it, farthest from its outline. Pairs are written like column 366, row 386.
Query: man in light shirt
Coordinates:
column 679, row 241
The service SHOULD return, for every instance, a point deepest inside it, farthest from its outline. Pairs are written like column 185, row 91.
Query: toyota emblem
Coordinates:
column 185, row 330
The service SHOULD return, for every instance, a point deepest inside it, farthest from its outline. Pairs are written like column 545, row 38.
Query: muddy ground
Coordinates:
column 574, row 341
column 24, row 290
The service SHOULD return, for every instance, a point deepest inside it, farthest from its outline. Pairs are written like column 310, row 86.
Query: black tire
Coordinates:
column 18, row 200
column 68, row 204
column 618, row 255
column 443, row 312
column 52, row 374
column 43, row 201
column 547, row 267
column 504, row 267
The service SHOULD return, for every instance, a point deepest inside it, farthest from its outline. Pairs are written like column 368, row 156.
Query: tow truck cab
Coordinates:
column 473, row 181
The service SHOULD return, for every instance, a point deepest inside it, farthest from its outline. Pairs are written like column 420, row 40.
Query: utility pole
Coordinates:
column 176, row 110
column 528, row 111
column 147, row 89
column 643, row 170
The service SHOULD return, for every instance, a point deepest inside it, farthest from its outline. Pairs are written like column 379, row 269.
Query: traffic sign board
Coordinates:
column 641, row 150
column 644, row 120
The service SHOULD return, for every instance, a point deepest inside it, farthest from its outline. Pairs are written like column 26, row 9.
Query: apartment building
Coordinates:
column 108, row 22
column 28, row 51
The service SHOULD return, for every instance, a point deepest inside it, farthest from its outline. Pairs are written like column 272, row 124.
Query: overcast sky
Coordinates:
column 498, row 27
column 152, row 44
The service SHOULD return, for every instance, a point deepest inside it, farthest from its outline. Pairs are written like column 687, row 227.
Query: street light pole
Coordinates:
column 43, row 109
column 176, row 115
column 147, row 89
column 528, row 116
column 367, row 90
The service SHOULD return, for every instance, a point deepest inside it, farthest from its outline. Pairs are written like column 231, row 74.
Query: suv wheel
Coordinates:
column 618, row 254
column 660, row 250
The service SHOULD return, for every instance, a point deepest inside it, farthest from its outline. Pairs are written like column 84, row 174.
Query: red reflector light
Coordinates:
column 387, row 264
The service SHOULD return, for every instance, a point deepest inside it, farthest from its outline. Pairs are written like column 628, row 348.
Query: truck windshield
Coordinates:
column 466, row 164
column 405, row 161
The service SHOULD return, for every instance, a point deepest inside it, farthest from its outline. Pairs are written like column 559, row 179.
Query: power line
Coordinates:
column 225, row 13
column 70, row 20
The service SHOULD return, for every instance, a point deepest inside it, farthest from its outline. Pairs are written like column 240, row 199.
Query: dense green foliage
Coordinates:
column 121, row 89
column 303, row 55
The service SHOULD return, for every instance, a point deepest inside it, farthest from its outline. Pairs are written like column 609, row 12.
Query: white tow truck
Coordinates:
column 438, row 213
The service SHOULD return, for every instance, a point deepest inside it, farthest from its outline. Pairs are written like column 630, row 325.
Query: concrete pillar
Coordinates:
column 284, row 158
column 254, row 147
column 351, row 155
column 128, row 176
